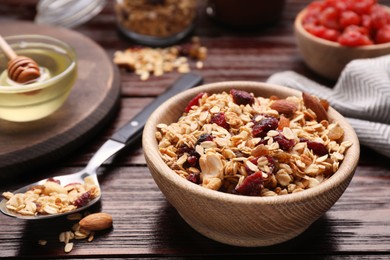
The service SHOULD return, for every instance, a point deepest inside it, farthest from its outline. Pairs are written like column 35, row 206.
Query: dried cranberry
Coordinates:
column 260, row 128
column 220, row 120
column 194, row 102
column 184, row 149
column 194, row 177
column 83, row 199
column 317, row 148
column 284, row 143
column 193, row 161
column 271, row 163
column 252, row 185
column 193, row 156
column 203, row 138
column 241, row 97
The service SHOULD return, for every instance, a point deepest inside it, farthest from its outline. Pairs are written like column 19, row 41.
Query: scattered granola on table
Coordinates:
column 52, row 198
column 146, row 61
column 79, row 231
column 241, row 144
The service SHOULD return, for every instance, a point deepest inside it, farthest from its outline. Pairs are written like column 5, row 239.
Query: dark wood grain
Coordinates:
column 145, row 225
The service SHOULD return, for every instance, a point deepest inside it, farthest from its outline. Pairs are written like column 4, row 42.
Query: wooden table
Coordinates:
column 145, row 224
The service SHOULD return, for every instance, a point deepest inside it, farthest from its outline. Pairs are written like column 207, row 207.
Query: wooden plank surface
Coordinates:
column 145, row 225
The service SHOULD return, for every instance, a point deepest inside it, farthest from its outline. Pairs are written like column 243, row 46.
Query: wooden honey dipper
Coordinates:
column 21, row 69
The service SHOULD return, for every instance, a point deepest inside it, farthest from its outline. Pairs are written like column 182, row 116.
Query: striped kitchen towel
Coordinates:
column 362, row 95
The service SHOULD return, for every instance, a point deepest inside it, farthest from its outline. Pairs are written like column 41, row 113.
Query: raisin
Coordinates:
column 252, row 185
column 266, row 124
column 220, row 120
column 284, row 143
column 317, row 148
column 194, row 102
column 241, row 97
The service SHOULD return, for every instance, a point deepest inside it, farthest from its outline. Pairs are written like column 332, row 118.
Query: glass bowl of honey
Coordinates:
column 57, row 62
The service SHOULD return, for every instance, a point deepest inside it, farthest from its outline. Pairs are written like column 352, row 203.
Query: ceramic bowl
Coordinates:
column 58, row 64
column 236, row 219
column 328, row 58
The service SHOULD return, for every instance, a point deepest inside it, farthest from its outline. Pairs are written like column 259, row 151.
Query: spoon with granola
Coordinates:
column 61, row 195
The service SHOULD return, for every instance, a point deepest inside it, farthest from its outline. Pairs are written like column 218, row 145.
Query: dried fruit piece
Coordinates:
column 335, row 133
column 203, row 138
column 220, row 119
column 96, row 221
column 83, row 199
column 241, row 97
column 317, row 148
column 266, row 124
column 314, row 104
column 194, row 101
column 284, row 143
column 252, row 185
column 283, row 122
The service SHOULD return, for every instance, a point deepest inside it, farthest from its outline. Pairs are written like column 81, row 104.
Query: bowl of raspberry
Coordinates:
column 248, row 163
column 329, row 34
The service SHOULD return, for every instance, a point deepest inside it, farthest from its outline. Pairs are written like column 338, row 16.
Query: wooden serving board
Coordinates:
column 92, row 101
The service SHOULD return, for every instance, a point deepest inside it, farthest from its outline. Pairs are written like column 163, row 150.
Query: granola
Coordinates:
column 240, row 144
column 52, row 198
column 159, row 18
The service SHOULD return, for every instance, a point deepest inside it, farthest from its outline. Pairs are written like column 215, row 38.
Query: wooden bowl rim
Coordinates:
column 299, row 29
column 347, row 167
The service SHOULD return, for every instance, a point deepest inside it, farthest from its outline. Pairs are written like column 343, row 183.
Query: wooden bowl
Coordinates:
column 328, row 58
column 244, row 220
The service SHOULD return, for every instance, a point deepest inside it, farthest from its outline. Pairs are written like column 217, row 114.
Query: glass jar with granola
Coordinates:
column 155, row 22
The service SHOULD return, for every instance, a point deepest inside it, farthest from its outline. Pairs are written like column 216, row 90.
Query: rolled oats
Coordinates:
column 292, row 149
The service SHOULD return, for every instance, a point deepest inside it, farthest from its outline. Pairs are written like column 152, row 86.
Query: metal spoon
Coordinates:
column 125, row 136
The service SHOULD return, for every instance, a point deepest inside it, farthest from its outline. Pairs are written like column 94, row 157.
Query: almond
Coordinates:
column 283, row 106
column 314, row 104
column 96, row 221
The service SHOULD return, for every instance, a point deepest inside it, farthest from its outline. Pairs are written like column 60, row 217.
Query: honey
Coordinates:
column 26, row 102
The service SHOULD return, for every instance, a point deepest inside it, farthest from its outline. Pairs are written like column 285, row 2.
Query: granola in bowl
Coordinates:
column 241, row 144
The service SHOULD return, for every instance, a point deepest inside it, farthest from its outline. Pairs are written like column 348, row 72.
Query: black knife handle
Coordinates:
column 132, row 130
